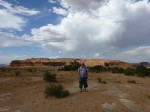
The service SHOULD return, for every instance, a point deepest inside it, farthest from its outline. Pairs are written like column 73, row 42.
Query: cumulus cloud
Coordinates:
column 60, row 11
column 53, row 36
column 107, row 29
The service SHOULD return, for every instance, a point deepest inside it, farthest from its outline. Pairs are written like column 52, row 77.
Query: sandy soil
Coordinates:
column 25, row 94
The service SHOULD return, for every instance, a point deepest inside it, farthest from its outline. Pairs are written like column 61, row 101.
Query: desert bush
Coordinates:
column 142, row 71
column 116, row 70
column 3, row 69
column 148, row 96
column 31, row 69
column 101, row 81
column 129, row 72
column 97, row 68
column 57, row 91
column 49, row 77
column 73, row 66
column 17, row 73
column 132, row 81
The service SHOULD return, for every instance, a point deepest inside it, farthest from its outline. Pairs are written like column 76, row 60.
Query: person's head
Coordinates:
column 82, row 64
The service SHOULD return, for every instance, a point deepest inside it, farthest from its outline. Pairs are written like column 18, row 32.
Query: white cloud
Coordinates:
column 16, row 1
column 97, row 55
column 18, row 9
column 11, row 16
column 82, row 5
column 138, row 54
column 10, row 21
column 106, row 30
column 25, row 11
column 52, row 36
column 60, row 11
column 52, row 1
column 9, row 40
column 139, row 50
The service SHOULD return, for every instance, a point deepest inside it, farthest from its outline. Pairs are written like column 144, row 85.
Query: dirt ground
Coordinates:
column 25, row 94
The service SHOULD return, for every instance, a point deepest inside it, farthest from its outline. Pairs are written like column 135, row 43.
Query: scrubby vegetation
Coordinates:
column 132, row 81
column 73, row 66
column 3, row 69
column 101, row 81
column 31, row 69
column 116, row 70
column 17, row 73
column 97, row 69
column 129, row 72
column 148, row 96
column 50, row 77
column 142, row 71
column 57, row 91
column 139, row 70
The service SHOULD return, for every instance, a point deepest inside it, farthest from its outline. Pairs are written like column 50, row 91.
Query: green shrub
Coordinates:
column 57, row 91
column 3, row 69
column 31, row 69
column 132, row 81
column 101, row 81
column 116, row 70
column 17, row 73
column 97, row 68
column 49, row 77
column 142, row 71
column 73, row 66
column 129, row 72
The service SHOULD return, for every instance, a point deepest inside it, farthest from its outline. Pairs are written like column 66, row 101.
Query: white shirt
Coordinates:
column 83, row 71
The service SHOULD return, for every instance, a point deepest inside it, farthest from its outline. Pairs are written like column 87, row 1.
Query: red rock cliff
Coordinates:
column 66, row 61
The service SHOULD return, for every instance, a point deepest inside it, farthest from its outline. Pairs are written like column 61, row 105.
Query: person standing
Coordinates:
column 83, row 76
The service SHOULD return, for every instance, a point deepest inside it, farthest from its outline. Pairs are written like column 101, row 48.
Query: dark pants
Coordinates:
column 83, row 82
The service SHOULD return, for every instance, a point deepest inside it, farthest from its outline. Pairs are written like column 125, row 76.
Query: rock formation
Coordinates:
column 66, row 61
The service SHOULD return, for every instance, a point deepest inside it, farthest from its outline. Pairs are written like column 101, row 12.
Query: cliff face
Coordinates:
column 37, row 62
column 66, row 61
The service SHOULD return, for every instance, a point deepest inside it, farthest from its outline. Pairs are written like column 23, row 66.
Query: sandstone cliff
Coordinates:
column 66, row 61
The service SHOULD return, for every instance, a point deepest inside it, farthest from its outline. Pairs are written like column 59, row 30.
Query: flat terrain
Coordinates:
column 24, row 93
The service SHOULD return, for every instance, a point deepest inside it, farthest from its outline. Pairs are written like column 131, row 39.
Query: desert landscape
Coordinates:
column 24, row 92
column 44, row 42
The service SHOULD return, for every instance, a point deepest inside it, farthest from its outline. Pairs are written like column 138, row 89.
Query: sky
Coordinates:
column 101, row 29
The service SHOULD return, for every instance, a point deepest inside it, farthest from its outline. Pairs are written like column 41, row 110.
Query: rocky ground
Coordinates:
column 25, row 94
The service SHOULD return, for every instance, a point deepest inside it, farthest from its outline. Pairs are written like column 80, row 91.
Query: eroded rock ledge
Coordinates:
column 66, row 61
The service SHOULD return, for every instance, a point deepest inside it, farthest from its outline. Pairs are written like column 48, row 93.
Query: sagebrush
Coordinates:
column 50, row 77
column 57, row 91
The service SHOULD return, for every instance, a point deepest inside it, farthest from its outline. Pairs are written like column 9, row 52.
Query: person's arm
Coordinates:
column 79, row 71
column 87, row 72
